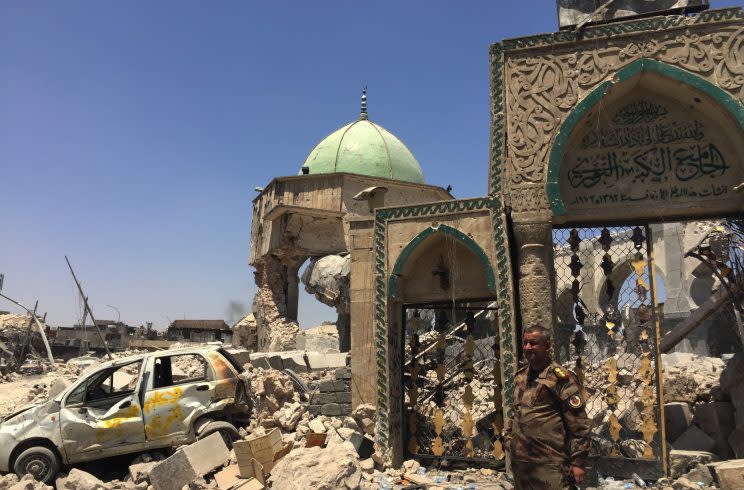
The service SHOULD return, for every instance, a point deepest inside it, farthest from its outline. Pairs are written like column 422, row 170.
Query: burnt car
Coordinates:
column 31, row 366
column 138, row 403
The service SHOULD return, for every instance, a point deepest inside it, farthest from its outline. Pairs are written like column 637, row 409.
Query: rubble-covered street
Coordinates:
column 304, row 435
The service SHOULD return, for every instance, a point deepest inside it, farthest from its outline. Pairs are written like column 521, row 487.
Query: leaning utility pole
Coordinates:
column 87, row 308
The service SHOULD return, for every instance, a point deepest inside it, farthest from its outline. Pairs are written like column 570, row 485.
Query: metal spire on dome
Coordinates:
column 363, row 114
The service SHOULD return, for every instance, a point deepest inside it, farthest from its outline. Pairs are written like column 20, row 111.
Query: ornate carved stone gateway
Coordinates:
column 538, row 82
column 639, row 121
column 436, row 265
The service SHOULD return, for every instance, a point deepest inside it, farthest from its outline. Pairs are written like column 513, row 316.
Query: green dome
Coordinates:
column 364, row 148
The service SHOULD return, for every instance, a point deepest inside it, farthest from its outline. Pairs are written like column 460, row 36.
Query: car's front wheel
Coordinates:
column 228, row 431
column 41, row 462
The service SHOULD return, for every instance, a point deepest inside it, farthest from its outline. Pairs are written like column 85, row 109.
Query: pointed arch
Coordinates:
column 588, row 103
column 421, row 238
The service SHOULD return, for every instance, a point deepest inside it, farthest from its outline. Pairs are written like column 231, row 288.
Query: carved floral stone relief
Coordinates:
column 543, row 85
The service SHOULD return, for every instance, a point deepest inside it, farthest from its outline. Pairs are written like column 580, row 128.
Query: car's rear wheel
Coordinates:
column 227, row 430
column 41, row 462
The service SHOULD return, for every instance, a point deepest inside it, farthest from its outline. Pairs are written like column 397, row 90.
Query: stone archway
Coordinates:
column 424, row 240
column 443, row 273
column 654, row 141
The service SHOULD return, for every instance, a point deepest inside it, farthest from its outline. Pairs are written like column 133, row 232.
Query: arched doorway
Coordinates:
column 442, row 287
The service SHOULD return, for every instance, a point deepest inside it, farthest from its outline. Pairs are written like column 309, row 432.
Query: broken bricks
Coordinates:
column 190, row 462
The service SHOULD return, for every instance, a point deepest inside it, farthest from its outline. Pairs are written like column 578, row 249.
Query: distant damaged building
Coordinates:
column 117, row 335
column 199, row 331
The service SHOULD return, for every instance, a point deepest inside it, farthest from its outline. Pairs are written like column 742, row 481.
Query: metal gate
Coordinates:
column 452, row 382
column 607, row 331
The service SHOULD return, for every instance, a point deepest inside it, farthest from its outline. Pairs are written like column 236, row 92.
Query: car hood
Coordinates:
column 36, row 412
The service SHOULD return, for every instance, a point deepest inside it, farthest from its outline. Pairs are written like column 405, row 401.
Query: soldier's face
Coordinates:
column 536, row 348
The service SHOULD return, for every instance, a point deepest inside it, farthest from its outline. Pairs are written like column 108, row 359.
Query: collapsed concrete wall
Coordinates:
column 245, row 333
column 272, row 305
column 327, row 278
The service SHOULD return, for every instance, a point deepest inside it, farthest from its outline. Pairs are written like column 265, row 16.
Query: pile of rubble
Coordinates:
column 14, row 336
column 304, row 435
column 19, row 391
column 704, row 408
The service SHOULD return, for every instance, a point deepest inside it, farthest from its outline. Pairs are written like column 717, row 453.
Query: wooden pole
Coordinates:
column 87, row 308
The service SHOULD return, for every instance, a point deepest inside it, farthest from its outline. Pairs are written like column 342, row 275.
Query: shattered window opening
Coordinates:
column 111, row 384
column 179, row 369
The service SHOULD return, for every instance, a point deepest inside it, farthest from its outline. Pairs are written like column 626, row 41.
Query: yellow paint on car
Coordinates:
column 161, row 398
column 158, row 427
column 108, row 429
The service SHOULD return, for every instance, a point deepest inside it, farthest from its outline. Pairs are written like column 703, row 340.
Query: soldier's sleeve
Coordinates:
column 578, row 427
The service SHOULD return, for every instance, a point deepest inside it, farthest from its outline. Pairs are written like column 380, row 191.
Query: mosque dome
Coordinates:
column 364, row 148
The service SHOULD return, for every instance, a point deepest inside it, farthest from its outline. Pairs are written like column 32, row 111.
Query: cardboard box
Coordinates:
column 228, row 477
column 251, row 484
column 260, row 451
column 253, row 468
column 264, row 449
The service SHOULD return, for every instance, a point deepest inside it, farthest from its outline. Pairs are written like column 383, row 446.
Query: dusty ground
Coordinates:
column 24, row 391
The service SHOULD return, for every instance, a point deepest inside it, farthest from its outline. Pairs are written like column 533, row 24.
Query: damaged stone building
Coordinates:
column 201, row 331
column 615, row 182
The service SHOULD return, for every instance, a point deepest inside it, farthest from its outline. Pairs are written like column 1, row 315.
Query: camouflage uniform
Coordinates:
column 549, row 430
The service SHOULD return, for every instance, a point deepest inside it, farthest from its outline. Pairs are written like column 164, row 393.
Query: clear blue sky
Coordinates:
column 132, row 134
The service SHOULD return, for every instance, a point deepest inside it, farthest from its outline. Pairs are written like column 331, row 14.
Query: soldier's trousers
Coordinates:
column 537, row 476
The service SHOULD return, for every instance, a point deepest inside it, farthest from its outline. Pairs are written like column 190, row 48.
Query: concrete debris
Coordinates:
column 272, row 389
column 289, row 415
column 690, row 378
column 730, row 474
column 23, row 391
column 694, row 439
column 681, row 462
column 320, row 339
column 276, row 330
column 332, row 468
column 244, row 332
column 140, row 472
column 27, row 483
column 189, row 463
column 7, row 481
column 700, row 474
column 683, row 483
column 79, row 480
column 328, row 279
column 677, row 418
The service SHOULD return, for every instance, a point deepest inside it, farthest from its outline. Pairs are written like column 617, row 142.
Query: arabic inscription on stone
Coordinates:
column 644, row 153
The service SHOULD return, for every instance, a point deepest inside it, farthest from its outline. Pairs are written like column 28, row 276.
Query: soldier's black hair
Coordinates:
column 546, row 335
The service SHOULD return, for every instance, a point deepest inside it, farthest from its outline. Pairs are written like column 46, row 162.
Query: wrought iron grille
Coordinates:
column 452, row 382
column 606, row 331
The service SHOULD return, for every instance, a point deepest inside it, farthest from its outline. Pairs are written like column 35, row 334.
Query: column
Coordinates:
column 535, row 275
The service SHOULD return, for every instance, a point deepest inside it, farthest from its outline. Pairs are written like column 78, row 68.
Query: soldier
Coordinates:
column 548, row 435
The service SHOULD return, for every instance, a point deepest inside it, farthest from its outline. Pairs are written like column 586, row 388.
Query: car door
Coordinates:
column 102, row 415
column 180, row 390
